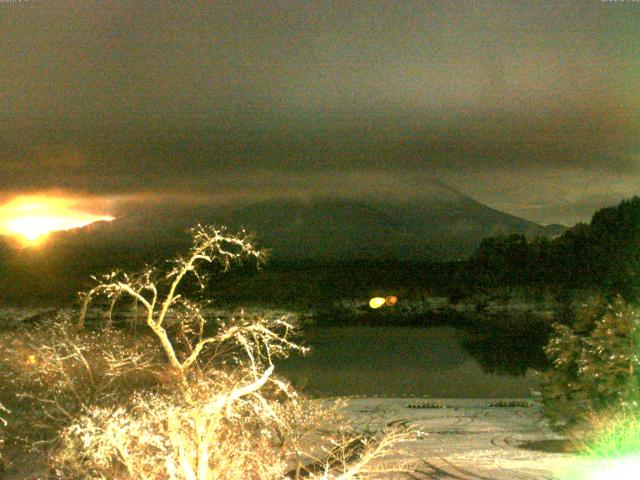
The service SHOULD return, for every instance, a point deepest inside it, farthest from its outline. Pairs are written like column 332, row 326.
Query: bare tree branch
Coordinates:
column 209, row 244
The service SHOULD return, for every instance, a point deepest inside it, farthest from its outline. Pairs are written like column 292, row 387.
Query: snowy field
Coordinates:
column 462, row 439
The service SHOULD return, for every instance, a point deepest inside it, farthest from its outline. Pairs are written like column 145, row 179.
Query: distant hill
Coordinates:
column 555, row 230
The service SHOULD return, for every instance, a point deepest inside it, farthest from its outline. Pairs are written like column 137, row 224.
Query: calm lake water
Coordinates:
column 397, row 362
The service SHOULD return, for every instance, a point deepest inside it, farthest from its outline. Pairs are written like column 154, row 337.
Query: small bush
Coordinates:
column 595, row 365
column 49, row 374
column 612, row 435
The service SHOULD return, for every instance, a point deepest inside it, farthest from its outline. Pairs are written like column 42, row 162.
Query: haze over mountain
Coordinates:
column 439, row 223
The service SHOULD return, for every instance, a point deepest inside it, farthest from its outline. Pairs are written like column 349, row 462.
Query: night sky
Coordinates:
column 532, row 107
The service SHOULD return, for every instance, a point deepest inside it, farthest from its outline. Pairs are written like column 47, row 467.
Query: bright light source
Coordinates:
column 31, row 218
column 624, row 468
column 376, row 302
column 391, row 300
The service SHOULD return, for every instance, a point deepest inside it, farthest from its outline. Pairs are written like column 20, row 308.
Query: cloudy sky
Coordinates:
column 532, row 107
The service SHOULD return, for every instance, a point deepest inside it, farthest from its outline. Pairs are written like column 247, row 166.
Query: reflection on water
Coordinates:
column 509, row 350
column 389, row 361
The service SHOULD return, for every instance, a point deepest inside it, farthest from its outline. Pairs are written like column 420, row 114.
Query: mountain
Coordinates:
column 431, row 222
column 325, row 229
column 436, row 223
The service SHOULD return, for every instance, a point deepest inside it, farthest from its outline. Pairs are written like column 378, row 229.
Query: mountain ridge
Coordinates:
column 443, row 224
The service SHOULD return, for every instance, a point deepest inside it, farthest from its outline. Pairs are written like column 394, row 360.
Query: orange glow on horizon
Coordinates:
column 30, row 218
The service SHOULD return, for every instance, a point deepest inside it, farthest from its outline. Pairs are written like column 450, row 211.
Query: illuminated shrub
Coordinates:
column 596, row 365
column 49, row 374
column 182, row 396
column 166, row 436
column 613, row 435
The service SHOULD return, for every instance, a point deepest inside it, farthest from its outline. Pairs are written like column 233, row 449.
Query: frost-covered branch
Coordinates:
column 3, row 409
column 210, row 245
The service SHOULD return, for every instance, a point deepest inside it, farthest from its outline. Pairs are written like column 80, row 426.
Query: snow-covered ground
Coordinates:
column 460, row 439
column 466, row 439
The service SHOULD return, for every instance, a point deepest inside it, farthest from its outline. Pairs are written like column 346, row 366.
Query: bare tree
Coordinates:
column 229, row 418
column 210, row 245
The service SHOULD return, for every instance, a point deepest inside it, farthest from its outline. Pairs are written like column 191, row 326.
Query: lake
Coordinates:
column 397, row 362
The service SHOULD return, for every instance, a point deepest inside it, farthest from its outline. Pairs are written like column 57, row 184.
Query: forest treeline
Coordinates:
column 604, row 254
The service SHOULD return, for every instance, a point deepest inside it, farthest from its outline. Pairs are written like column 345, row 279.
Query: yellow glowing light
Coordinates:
column 31, row 218
column 377, row 302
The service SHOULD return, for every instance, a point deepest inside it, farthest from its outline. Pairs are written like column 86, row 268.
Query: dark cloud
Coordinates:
column 119, row 97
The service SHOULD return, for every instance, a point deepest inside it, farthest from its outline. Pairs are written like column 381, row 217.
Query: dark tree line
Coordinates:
column 603, row 254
